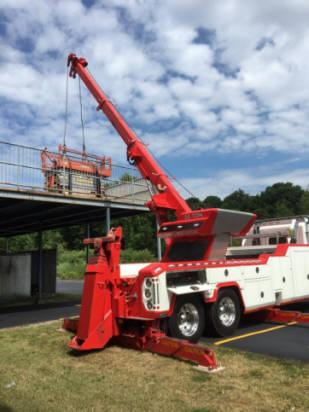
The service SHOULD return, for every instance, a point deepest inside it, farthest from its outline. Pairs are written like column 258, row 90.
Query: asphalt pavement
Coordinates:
column 277, row 340
column 74, row 287
column 24, row 315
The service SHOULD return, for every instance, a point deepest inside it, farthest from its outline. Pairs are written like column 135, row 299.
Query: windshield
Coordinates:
column 184, row 251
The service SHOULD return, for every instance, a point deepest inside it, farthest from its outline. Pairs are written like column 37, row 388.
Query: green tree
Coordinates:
column 52, row 239
column 304, row 203
column 194, row 203
column 238, row 200
column 139, row 232
column 282, row 210
column 274, row 197
column 23, row 243
column 126, row 177
column 73, row 237
column 212, row 202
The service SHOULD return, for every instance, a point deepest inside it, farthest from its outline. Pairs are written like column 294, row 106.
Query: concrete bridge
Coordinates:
column 30, row 203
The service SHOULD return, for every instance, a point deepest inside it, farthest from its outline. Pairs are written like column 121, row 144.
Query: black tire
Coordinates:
column 223, row 316
column 188, row 318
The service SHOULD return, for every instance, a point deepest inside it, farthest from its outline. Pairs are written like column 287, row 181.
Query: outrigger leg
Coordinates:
column 154, row 340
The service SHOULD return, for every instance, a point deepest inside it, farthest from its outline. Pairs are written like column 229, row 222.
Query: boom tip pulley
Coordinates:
column 72, row 61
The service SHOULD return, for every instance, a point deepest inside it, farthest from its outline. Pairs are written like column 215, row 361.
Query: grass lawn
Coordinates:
column 48, row 377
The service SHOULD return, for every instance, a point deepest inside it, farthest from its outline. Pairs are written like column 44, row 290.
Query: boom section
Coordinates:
column 167, row 197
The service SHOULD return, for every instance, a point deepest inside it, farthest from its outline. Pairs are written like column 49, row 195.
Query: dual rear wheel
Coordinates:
column 191, row 316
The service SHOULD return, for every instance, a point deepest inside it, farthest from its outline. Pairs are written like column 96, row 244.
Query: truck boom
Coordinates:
column 196, row 235
column 168, row 197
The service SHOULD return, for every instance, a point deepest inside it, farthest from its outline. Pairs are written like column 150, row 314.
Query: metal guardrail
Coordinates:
column 21, row 169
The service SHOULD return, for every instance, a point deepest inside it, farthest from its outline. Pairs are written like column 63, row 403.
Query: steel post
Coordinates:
column 7, row 245
column 87, row 236
column 40, row 277
column 108, row 219
column 159, row 249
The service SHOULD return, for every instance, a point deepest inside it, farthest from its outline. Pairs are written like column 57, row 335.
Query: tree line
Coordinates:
column 139, row 232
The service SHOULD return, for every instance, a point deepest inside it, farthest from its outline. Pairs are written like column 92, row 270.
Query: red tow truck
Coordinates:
column 199, row 283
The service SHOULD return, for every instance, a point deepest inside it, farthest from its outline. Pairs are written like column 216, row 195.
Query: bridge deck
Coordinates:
column 28, row 205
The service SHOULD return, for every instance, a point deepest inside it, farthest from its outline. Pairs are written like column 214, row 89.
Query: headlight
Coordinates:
column 147, row 293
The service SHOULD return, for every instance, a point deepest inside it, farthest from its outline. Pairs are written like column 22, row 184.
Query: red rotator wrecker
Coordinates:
column 199, row 282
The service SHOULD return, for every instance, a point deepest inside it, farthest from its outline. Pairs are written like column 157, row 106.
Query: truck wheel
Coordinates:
column 188, row 319
column 223, row 316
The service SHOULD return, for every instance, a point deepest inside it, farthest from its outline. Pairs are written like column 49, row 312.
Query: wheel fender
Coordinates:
column 226, row 285
column 174, row 297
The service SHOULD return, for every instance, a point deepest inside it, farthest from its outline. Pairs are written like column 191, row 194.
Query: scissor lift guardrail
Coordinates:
column 21, row 169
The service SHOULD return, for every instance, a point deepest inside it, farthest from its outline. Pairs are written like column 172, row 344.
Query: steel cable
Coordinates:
column 169, row 175
column 81, row 115
column 66, row 106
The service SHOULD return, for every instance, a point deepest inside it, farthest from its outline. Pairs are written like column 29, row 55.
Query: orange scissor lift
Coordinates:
column 75, row 172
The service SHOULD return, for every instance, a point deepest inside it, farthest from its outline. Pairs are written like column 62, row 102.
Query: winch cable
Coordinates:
column 81, row 115
column 66, row 106
column 169, row 174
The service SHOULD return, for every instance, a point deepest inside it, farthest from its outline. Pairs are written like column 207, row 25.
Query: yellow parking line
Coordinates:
column 255, row 333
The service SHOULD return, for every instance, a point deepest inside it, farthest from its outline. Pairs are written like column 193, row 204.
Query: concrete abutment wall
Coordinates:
column 19, row 273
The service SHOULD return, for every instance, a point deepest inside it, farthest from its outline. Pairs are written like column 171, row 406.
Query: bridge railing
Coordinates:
column 21, row 168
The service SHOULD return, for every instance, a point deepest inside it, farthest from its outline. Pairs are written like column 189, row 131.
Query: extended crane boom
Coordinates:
column 167, row 198
column 195, row 234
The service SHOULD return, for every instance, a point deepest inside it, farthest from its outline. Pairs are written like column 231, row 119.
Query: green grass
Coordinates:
column 48, row 377
column 136, row 256
column 72, row 264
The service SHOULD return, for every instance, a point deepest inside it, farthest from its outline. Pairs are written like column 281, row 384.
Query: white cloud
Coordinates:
column 251, row 180
column 242, row 90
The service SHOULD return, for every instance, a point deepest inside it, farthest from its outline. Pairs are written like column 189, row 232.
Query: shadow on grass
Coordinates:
column 39, row 306
column 5, row 408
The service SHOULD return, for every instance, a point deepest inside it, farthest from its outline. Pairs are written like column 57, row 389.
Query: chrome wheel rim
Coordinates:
column 227, row 312
column 188, row 319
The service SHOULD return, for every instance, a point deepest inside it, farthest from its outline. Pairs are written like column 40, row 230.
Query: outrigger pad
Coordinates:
column 208, row 369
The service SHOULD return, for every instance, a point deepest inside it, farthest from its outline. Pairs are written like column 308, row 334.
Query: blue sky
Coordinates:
column 218, row 89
